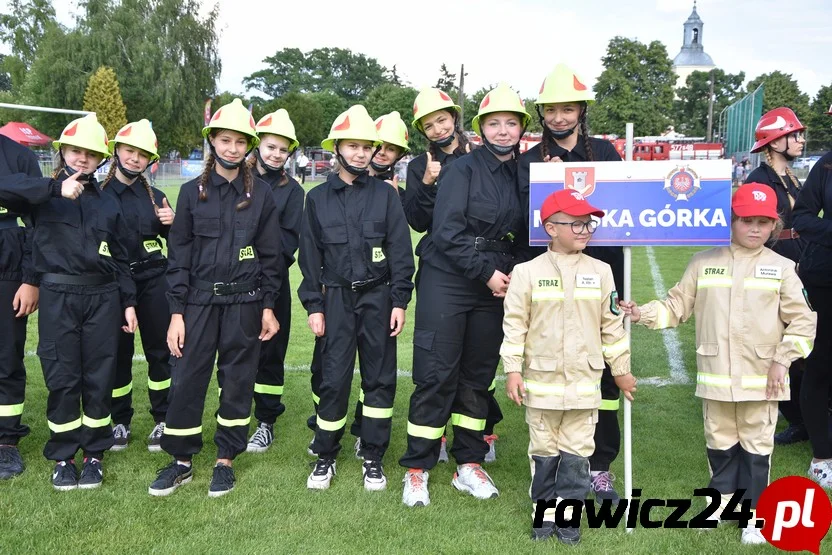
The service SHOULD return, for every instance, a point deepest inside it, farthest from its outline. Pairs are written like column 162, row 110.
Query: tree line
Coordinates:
column 156, row 59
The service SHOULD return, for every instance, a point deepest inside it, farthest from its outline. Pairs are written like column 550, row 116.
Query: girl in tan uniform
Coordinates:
column 752, row 322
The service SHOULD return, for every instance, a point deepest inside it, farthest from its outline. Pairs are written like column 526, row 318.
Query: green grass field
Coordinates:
column 271, row 511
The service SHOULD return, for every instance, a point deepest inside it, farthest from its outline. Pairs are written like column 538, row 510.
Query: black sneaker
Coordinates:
column 602, row 487
column 222, row 482
column 546, row 531
column 92, row 474
column 121, row 437
column 170, row 478
column 154, row 440
column 794, row 433
column 11, row 463
column 568, row 536
column 65, row 476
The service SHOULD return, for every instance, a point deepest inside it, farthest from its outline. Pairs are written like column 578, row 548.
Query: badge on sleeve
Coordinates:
column 806, row 296
column 614, row 308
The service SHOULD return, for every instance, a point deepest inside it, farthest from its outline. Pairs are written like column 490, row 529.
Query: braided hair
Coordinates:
column 789, row 174
column 547, row 134
column 205, row 177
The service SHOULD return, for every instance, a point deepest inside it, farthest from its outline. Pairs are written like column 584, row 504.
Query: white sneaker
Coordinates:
column 443, row 451
column 322, row 474
column 821, row 472
column 261, row 439
column 154, row 440
column 491, row 440
column 473, row 479
column 374, row 478
column 358, row 453
column 415, row 492
column 121, row 437
column 751, row 535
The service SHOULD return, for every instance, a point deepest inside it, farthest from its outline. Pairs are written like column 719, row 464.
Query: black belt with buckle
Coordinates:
column 362, row 285
column 220, row 289
column 788, row 234
column 87, row 279
column 482, row 244
column 147, row 264
column 9, row 223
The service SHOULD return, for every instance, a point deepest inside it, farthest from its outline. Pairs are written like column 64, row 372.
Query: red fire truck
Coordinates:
column 655, row 148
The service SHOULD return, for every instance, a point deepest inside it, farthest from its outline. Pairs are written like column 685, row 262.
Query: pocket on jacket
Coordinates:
column 543, row 364
column 596, row 362
column 485, row 211
column 207, row 227
column 334, row 234
column 708, row 349
column 765, row 351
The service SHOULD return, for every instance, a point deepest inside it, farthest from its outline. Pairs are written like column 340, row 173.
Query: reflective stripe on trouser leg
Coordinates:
column 268, row 387
column 239, row 351
column 122, row 402
column 544, row 472
column 315, row 380
column 79, row 368
column 337, row 365
column 153, row 325
column 377, row 358
column 12, row 371
column 478, row 365
column 437, row 341
column 190, row 376
column 607, row 430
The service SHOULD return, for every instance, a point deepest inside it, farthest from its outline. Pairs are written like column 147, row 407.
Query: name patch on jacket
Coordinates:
column 768, row 272
column 152, row 246
column 715, row 271
column 378, row 254
column 548, row 283
column 104, row 249
column 585, row 281
column 246, row 253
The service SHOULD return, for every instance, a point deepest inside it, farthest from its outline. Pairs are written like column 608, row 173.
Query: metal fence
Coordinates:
column 737, row 123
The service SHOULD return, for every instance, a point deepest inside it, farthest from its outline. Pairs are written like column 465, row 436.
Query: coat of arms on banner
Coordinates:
column 581, row 180
column 682, row 183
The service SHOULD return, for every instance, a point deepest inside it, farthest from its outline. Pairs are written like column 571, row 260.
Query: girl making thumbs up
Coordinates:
column 148, row 218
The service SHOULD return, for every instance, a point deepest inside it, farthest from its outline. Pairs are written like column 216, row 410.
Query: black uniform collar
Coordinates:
column 116, row 185
column 361, row 180
column 577, row 154
column 493, row 163
column 217, row 180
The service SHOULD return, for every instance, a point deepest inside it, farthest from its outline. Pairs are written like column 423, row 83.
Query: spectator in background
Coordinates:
column 302, row 162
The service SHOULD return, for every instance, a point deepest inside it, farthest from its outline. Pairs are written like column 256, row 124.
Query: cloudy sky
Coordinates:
column 519, row 41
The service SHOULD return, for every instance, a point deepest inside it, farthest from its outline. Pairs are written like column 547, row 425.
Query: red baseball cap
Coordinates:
column 569, row 201
column 755, row 199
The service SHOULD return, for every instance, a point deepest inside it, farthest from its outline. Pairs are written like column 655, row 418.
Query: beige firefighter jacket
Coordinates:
column 561, row 323
column 750, row 310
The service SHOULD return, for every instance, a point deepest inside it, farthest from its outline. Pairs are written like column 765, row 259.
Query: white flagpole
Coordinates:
column 628, row 408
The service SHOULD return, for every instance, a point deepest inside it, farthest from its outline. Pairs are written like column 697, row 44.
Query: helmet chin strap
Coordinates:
column 276, row 170
column 785, row 153
column 130, row 174
column 499, row 150
column 560, row 135
column 354, row 170
column 225, row 163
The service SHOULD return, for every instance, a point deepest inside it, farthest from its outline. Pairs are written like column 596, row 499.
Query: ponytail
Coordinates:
column 110, row 175
column 149, row 190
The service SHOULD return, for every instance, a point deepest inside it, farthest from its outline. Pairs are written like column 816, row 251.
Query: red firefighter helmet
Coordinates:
column 829, row 113
column 775, row 124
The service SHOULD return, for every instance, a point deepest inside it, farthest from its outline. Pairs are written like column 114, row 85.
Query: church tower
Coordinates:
column 692, row 57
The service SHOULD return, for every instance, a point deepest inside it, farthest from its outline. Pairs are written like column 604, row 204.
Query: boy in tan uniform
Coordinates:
column 561, row 323
column 752, row 322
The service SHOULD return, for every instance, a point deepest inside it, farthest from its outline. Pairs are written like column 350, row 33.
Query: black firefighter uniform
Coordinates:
column 750, row 311
column 78, row 251
column 561, row 324
column 225, row 266
column 355, row 245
